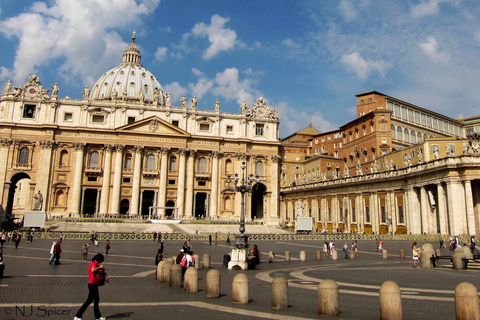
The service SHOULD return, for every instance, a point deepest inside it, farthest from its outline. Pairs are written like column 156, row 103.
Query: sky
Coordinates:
column 307, row 58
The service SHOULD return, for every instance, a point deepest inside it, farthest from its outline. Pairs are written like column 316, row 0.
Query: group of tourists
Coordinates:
column 15, row 236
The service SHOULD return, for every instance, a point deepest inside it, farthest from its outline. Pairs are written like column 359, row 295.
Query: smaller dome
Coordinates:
column 129, row 80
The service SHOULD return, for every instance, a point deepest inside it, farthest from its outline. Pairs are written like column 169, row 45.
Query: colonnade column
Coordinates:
column 107, row 171
column 425, row 210
column 77, row 179
column 181, row 184
column 117, row 180
column 137, row 177
column 162, row 190
column 455, row 214
column 469, row 208
column 391, row 212
column 190, row 180
column 43, row 179
column 4, row 151
column 442, row 209
column 374, row 213
column 273, row 212
column 214, row 190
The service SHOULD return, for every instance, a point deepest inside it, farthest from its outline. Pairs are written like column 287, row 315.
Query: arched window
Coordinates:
column 393, row 131
column 228, row 166
column 172, row 164
column 202, row 165
column 412, row 137
column 23, row 156
column 399, row 133
column 150, row 162
column 259, row 168
column 419, row 137
column 127, row 164
column 93, row 161
column 63, row 158
column 406, row 136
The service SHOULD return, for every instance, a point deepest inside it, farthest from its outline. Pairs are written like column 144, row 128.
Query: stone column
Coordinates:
column 273, row 210
column 425, row 210
column 107, row 171
column 442, row 209
column 77, row 179
column 162, row 190
column 469, row 208
column 214, row 191
column 117, row 180
column 455, row 208
column 137, row 178
column 188, row 213
column 43, row 179
column 181, row 184
column 374, row 215
column 4, row 152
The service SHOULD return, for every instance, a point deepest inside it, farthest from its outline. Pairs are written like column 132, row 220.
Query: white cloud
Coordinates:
column 425, row 8
column 176, row 90
column 290, row 43
column 4, row 73
column 202, row 86
column 430, row 48
column 220, row 38
column 229, row 86
column 293, row 120
column 161, row 54
column 362, row 67
column 72, row 31
column 347, row 10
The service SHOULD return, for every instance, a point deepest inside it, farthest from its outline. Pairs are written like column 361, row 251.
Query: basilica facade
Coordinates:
column 126, row 150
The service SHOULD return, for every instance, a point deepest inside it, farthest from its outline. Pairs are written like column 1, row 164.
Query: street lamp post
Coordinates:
column 243, row 186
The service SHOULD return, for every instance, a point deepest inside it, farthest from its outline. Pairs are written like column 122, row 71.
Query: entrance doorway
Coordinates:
column 90, row 202
column 169, row 212
column 200, row 207
column 147, row 201
column 18, row 195
column 124, row 206
column 257, row 201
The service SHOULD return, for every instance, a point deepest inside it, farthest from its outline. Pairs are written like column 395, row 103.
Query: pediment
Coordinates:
column 154, row 125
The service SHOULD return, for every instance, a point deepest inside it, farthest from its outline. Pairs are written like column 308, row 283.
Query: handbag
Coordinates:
column 100, row 278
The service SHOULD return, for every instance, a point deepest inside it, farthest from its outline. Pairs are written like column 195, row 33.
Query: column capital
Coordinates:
column 276, row 158
column 119, row 147
column 191, row 152
column 80, row 146
column 182, row 151
column 241, row 156
column 138, row 149
column 108, row 147
column 217, row 154
column 6, row 142
column 164, row 151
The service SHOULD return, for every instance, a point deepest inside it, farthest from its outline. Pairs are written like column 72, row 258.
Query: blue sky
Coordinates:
column 308, row 58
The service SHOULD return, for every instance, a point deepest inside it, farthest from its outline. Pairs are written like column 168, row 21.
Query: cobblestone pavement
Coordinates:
column 33, row 289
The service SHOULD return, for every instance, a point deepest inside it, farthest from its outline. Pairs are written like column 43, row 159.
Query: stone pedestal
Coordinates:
column 238, row 258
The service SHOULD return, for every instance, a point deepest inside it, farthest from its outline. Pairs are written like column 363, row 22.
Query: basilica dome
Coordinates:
column 128, row 81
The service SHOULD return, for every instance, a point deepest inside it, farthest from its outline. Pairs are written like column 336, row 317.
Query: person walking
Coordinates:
column 107, row 246
column 228, row 239
column 158, row 258
column 380, row 245
column 325, row 248
column 415, row 254
column 473, row 243
column 57, row 250
column 18, row 237
column 345, row 249
column 154, row 236
column 355, row 248
column 210, row 239
column 93, row 295
column 85, row 251
column 52, row 252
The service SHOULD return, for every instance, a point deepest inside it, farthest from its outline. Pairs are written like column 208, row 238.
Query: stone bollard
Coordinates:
column 172, row 260
column 328, row 298
column 390, row 301
column 351, row 254
column 467, row 253
column 384, row 254
column 207, row 261
column 425, row 258
column 198, row 264
column 240, row 289
column 191, row 280
column 166, row 273
column 466, row 302
column 271, row 257
column 319, row 255
column 280, row 293
column 402, row 253
column 438, row 252
column 334, row 255
column 175, row 279
column 303, row 256
column 457, row 257
column 159, row 270
column 212, row 285
column 287, row 256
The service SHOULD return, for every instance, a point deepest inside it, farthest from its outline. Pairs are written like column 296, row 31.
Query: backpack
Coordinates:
column 100, row 278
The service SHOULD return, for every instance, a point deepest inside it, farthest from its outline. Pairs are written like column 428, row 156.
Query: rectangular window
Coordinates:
column 171, row 182
column 29, row 111
column 404, row 113
column 429, row 121
column 131, row 120
column 354, row 217
column 329, row 214
column 401, row 218
column 92, row 179
column 397, row 111
column 410, row 115
column 259, row 129
column 202, row 183
column 383, row 214
column 98, row 118
column 319, row 214
column 340, row 211
column 417, row 117
column 126, row 180
column 424, row 119
column 367, row 214
column 204, row 127
column 68, row 116
column 230, row 129
column 175, row 123
column 389, row 105
column 434, row 123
